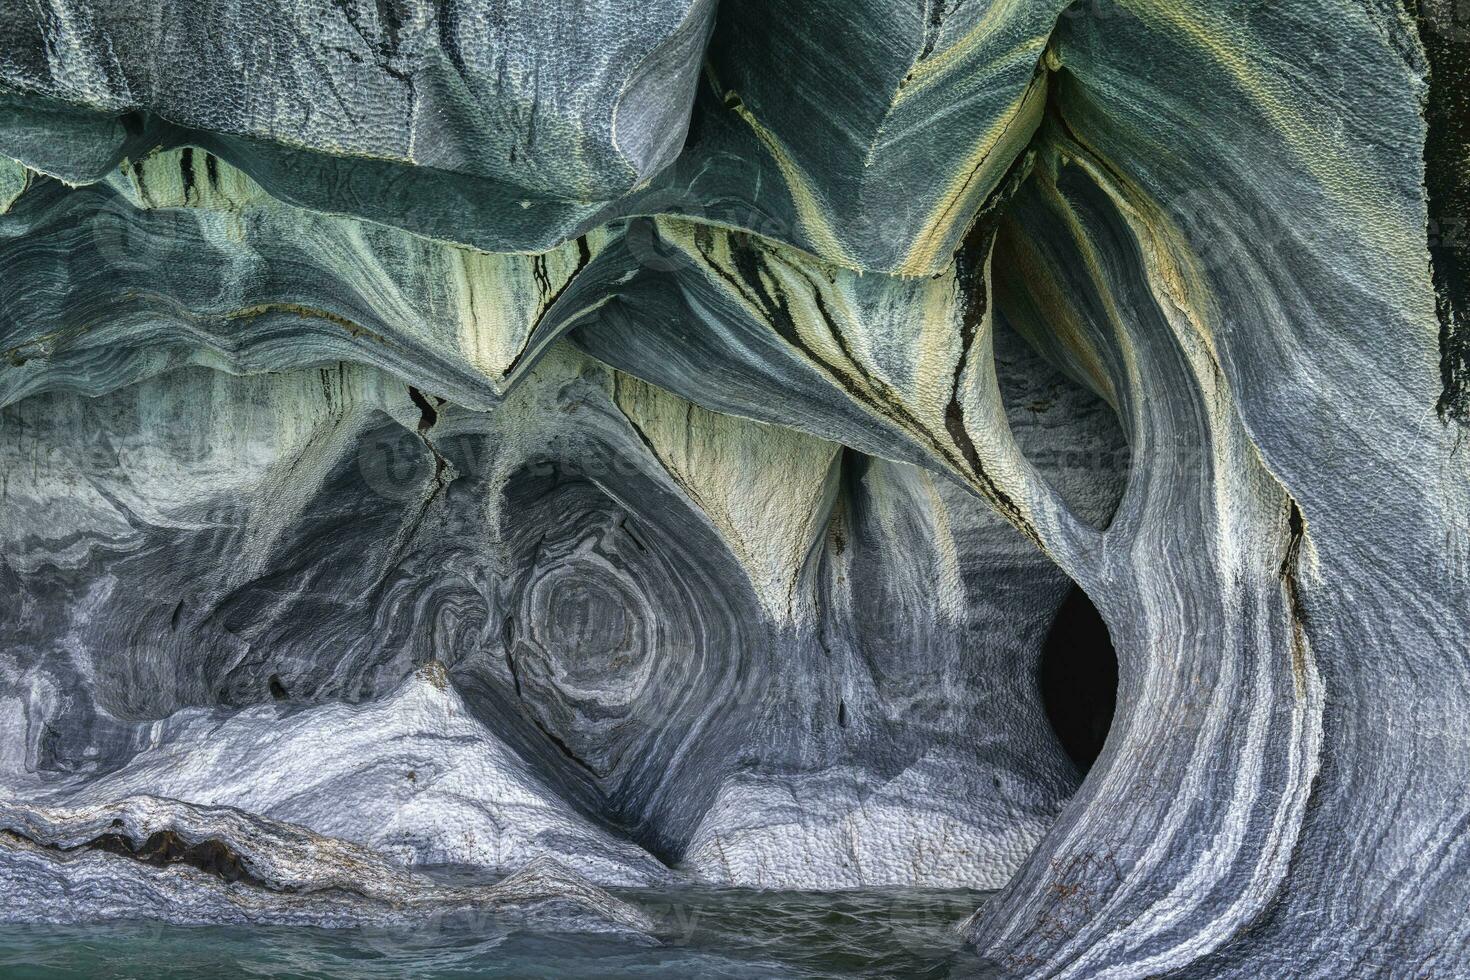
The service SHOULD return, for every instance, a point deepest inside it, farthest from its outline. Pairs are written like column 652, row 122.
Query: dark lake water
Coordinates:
column 702, row 933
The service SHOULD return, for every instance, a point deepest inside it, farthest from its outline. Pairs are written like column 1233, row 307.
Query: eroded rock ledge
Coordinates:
column 145, row 856
column 659, row 438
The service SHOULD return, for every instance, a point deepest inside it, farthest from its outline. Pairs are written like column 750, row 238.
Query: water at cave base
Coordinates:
column 702, row 933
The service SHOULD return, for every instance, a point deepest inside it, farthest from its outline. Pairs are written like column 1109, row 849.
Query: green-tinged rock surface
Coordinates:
column 667, row 445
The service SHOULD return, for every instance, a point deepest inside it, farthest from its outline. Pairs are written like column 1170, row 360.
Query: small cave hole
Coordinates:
column 1079, row 679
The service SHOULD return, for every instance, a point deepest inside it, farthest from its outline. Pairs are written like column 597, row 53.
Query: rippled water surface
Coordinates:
column 702, row 933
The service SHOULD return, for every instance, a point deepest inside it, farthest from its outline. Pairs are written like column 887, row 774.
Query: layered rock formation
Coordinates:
column 659, row 438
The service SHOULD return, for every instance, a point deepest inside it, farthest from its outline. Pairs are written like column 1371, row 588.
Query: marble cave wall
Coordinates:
column 615, row 444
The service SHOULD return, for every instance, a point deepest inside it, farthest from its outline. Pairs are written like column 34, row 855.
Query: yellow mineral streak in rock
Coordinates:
column 500, row 299
column 812, row 211
column 187, row 177
column 495, row 301
column 315, row 418
column 847, row 324
column 950, row 586
column 856, row 326
column 1182, row 290
column 1055, row 310
column 1315, row 138
column 846, row 335
column 993, row 24
column 760, row 485
column 993, row 154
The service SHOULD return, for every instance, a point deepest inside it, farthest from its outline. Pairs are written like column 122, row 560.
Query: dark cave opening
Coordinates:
column 1079, row 679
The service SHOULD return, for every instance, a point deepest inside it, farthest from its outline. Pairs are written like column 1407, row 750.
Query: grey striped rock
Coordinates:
column 686, row 424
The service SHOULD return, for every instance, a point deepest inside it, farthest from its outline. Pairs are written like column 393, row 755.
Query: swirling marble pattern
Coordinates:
column 599, row 613
column 180, row 258
column 659, row 438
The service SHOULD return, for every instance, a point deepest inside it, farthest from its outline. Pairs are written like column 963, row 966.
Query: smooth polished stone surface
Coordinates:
column 663, row 438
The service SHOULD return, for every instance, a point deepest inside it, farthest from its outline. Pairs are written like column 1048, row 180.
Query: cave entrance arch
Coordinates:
column 1079, row 679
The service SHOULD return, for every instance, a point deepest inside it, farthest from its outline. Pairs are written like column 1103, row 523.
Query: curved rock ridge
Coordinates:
column 221, row 865
column 522, row 126
column 181, row 258
column 564, row 100
column 1290, row 335
column 662, row 441
column 411, row 775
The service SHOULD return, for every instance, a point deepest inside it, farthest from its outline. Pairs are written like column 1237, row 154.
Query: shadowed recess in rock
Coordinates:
column 1008, row 445
column 1079, row 679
